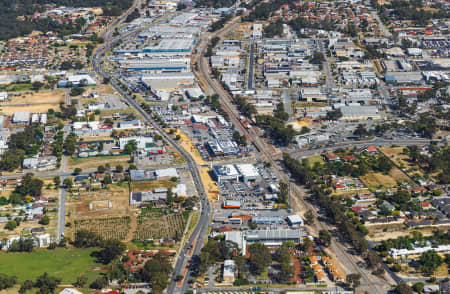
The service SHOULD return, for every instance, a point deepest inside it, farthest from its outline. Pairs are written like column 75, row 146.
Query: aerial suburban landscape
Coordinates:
column 224, row 146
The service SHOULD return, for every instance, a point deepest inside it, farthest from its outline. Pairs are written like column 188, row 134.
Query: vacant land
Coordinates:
column 37, row 108
column 54, row 96
column 379, row 181
column 187, row 145
column 93, row 162
column 66, row 264
column 209, row 185
column 400, row 159
column 150, row 185
column 105, row 203
column 35, row 102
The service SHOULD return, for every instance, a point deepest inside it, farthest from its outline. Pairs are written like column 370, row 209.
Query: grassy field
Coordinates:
column 18, row 87
column 66, row 264
column 150, row 185
column 375, row 181
column 93, row 162
column 315, row 158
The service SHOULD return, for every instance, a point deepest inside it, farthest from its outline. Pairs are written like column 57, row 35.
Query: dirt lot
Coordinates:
column 39, row 108
column 93, row 162
column 210, row 186
column 111, row 202
column 187, row 145
column 54, row 96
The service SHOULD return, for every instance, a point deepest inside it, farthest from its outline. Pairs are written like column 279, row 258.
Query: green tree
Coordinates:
column 57, row 181
column 418, row 287
column 354, row 280
column 77, row 171
column 130, row 147
column 70, row 144
column 325, row 237
column 45, row 220
column 68, row 183
column 7, row 281
column 111, row 249
column 81, row 281
column 309, row 217
column 86, row 239
column 26, row 286
column 99, row 283
column 429, row 261
column 403, row 289
column 11, row 225
column 260, row 257
column 46, row 283
column 157, row 271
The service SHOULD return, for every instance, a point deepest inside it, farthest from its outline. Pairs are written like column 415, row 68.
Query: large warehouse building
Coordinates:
column 271, row 238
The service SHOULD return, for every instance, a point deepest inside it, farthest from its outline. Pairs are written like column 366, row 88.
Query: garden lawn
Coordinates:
column 66, row 264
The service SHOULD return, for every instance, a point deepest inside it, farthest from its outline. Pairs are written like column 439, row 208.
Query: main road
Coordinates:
column 197, row 237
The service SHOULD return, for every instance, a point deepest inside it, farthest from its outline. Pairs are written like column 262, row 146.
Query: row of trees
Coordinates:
column 353, row 231
column 110, row 248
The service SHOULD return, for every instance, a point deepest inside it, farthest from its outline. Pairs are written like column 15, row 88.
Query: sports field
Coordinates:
column 66, row 264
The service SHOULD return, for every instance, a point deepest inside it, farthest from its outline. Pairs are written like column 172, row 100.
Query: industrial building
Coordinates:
column 231, row 204
column 230, row 172
column 312, row 94
column 139, row 197
column 166, row 174
column 295, row 220
column 128, row 125
column 222, row 147
column 142, row 142
column 270, row 238
column 157, row 64
column 225, row 173
column 248, row 172
column 171, row 46
column 77, row 80
column 21, row 118
column 404, row 78
column 350, row 113
column 168, row 80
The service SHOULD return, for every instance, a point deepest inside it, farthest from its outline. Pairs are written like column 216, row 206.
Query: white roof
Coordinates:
column 21, row 116
column 79, row 78
column 229, row 267
column 195, row 92
column 247, row 170
column 168, row 172
column 70, row 291
column 418, row 250
column 295, row 218
column 180, row 190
